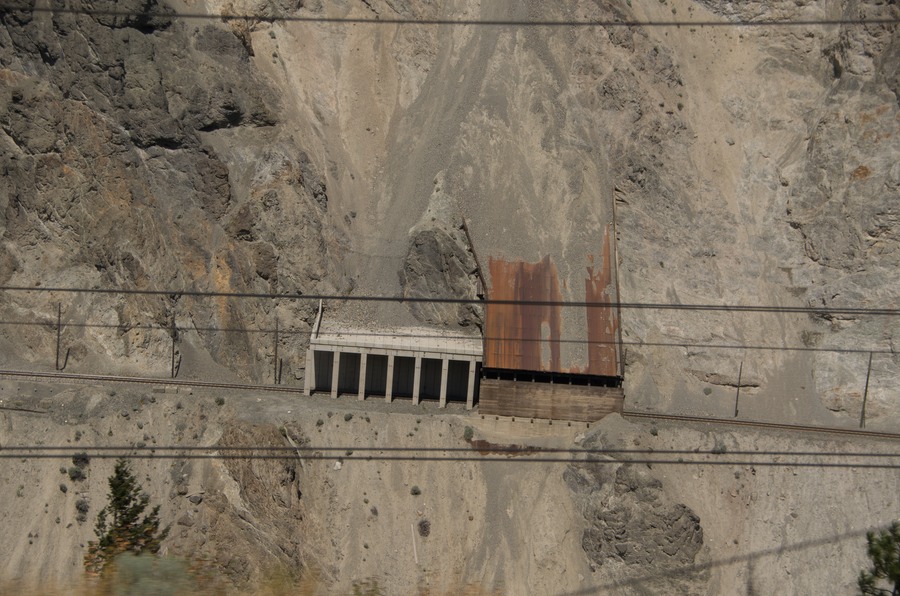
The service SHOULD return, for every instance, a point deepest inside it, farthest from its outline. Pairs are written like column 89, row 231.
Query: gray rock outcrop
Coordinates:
column 440, row 264
column 635, row 536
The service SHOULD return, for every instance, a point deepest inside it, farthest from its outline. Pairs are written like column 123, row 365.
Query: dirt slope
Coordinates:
column 739, row 525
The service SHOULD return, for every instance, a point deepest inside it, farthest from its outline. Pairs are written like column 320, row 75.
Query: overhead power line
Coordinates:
column 436, row 454
column 462, row 22
column 126, row 327
column 824, row 311
column 513, row 450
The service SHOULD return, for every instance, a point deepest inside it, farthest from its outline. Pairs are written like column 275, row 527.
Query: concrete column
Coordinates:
column 445, row 365
column 470, row 390
column 389, row 387
column 362, row 375
column 417, row 378
column 309, row 376
column 334, row 373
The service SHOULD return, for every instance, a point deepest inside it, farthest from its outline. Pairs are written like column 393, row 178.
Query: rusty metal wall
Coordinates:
column 529, row 337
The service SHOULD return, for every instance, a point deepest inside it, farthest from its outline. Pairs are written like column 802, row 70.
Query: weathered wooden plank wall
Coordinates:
column 547, row 400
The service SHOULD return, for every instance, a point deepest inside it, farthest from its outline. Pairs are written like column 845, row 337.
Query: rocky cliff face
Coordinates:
column 742, row 165
column 146, row 154
column 780, row 190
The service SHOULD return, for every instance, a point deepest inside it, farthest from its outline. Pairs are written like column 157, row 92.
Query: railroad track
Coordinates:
column 87, row 378
column 857, row 432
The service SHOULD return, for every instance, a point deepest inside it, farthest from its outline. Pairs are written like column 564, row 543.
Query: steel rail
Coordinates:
column 36, row 375
column 762, row 424
column 62, row 376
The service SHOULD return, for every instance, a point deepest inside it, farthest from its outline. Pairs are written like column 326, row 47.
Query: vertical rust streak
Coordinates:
column 615, row 261
column 601, row 322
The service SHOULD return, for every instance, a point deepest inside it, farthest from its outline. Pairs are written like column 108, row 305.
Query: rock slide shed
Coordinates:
column 532, row 367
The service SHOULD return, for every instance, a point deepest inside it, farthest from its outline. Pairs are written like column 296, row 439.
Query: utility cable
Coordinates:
column 403, row 21
column 174, row 294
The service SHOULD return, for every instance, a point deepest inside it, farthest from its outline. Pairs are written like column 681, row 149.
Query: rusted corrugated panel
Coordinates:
column 528, row 337
column 516, row 333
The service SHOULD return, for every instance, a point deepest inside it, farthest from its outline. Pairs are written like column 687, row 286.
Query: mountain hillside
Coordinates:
column 749, row 165
column 679, row 153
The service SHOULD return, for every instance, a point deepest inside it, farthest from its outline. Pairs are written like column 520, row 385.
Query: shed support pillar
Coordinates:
column 362, row 375
column 445, row 364
column 309, row 375
column 335, row 369
column 389, row 384
column 417, row 378
column 470, row 389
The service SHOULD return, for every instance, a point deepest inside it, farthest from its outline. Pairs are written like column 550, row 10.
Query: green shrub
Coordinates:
column 122, row 526
column 468, row 433
column 82, row 507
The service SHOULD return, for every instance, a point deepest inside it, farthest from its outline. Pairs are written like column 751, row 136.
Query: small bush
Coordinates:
column 63, row 487
column 220, row 401
column 424, row 528
column 415, row 491
column 320, row 422
column 76, row 474
column 468, row 433
column 81, row 460
column 348, row 417
column 374, row 510
column 82, row 506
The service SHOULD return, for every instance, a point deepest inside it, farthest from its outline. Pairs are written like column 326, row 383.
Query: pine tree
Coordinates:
column 120, row 525
column 884, row 550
